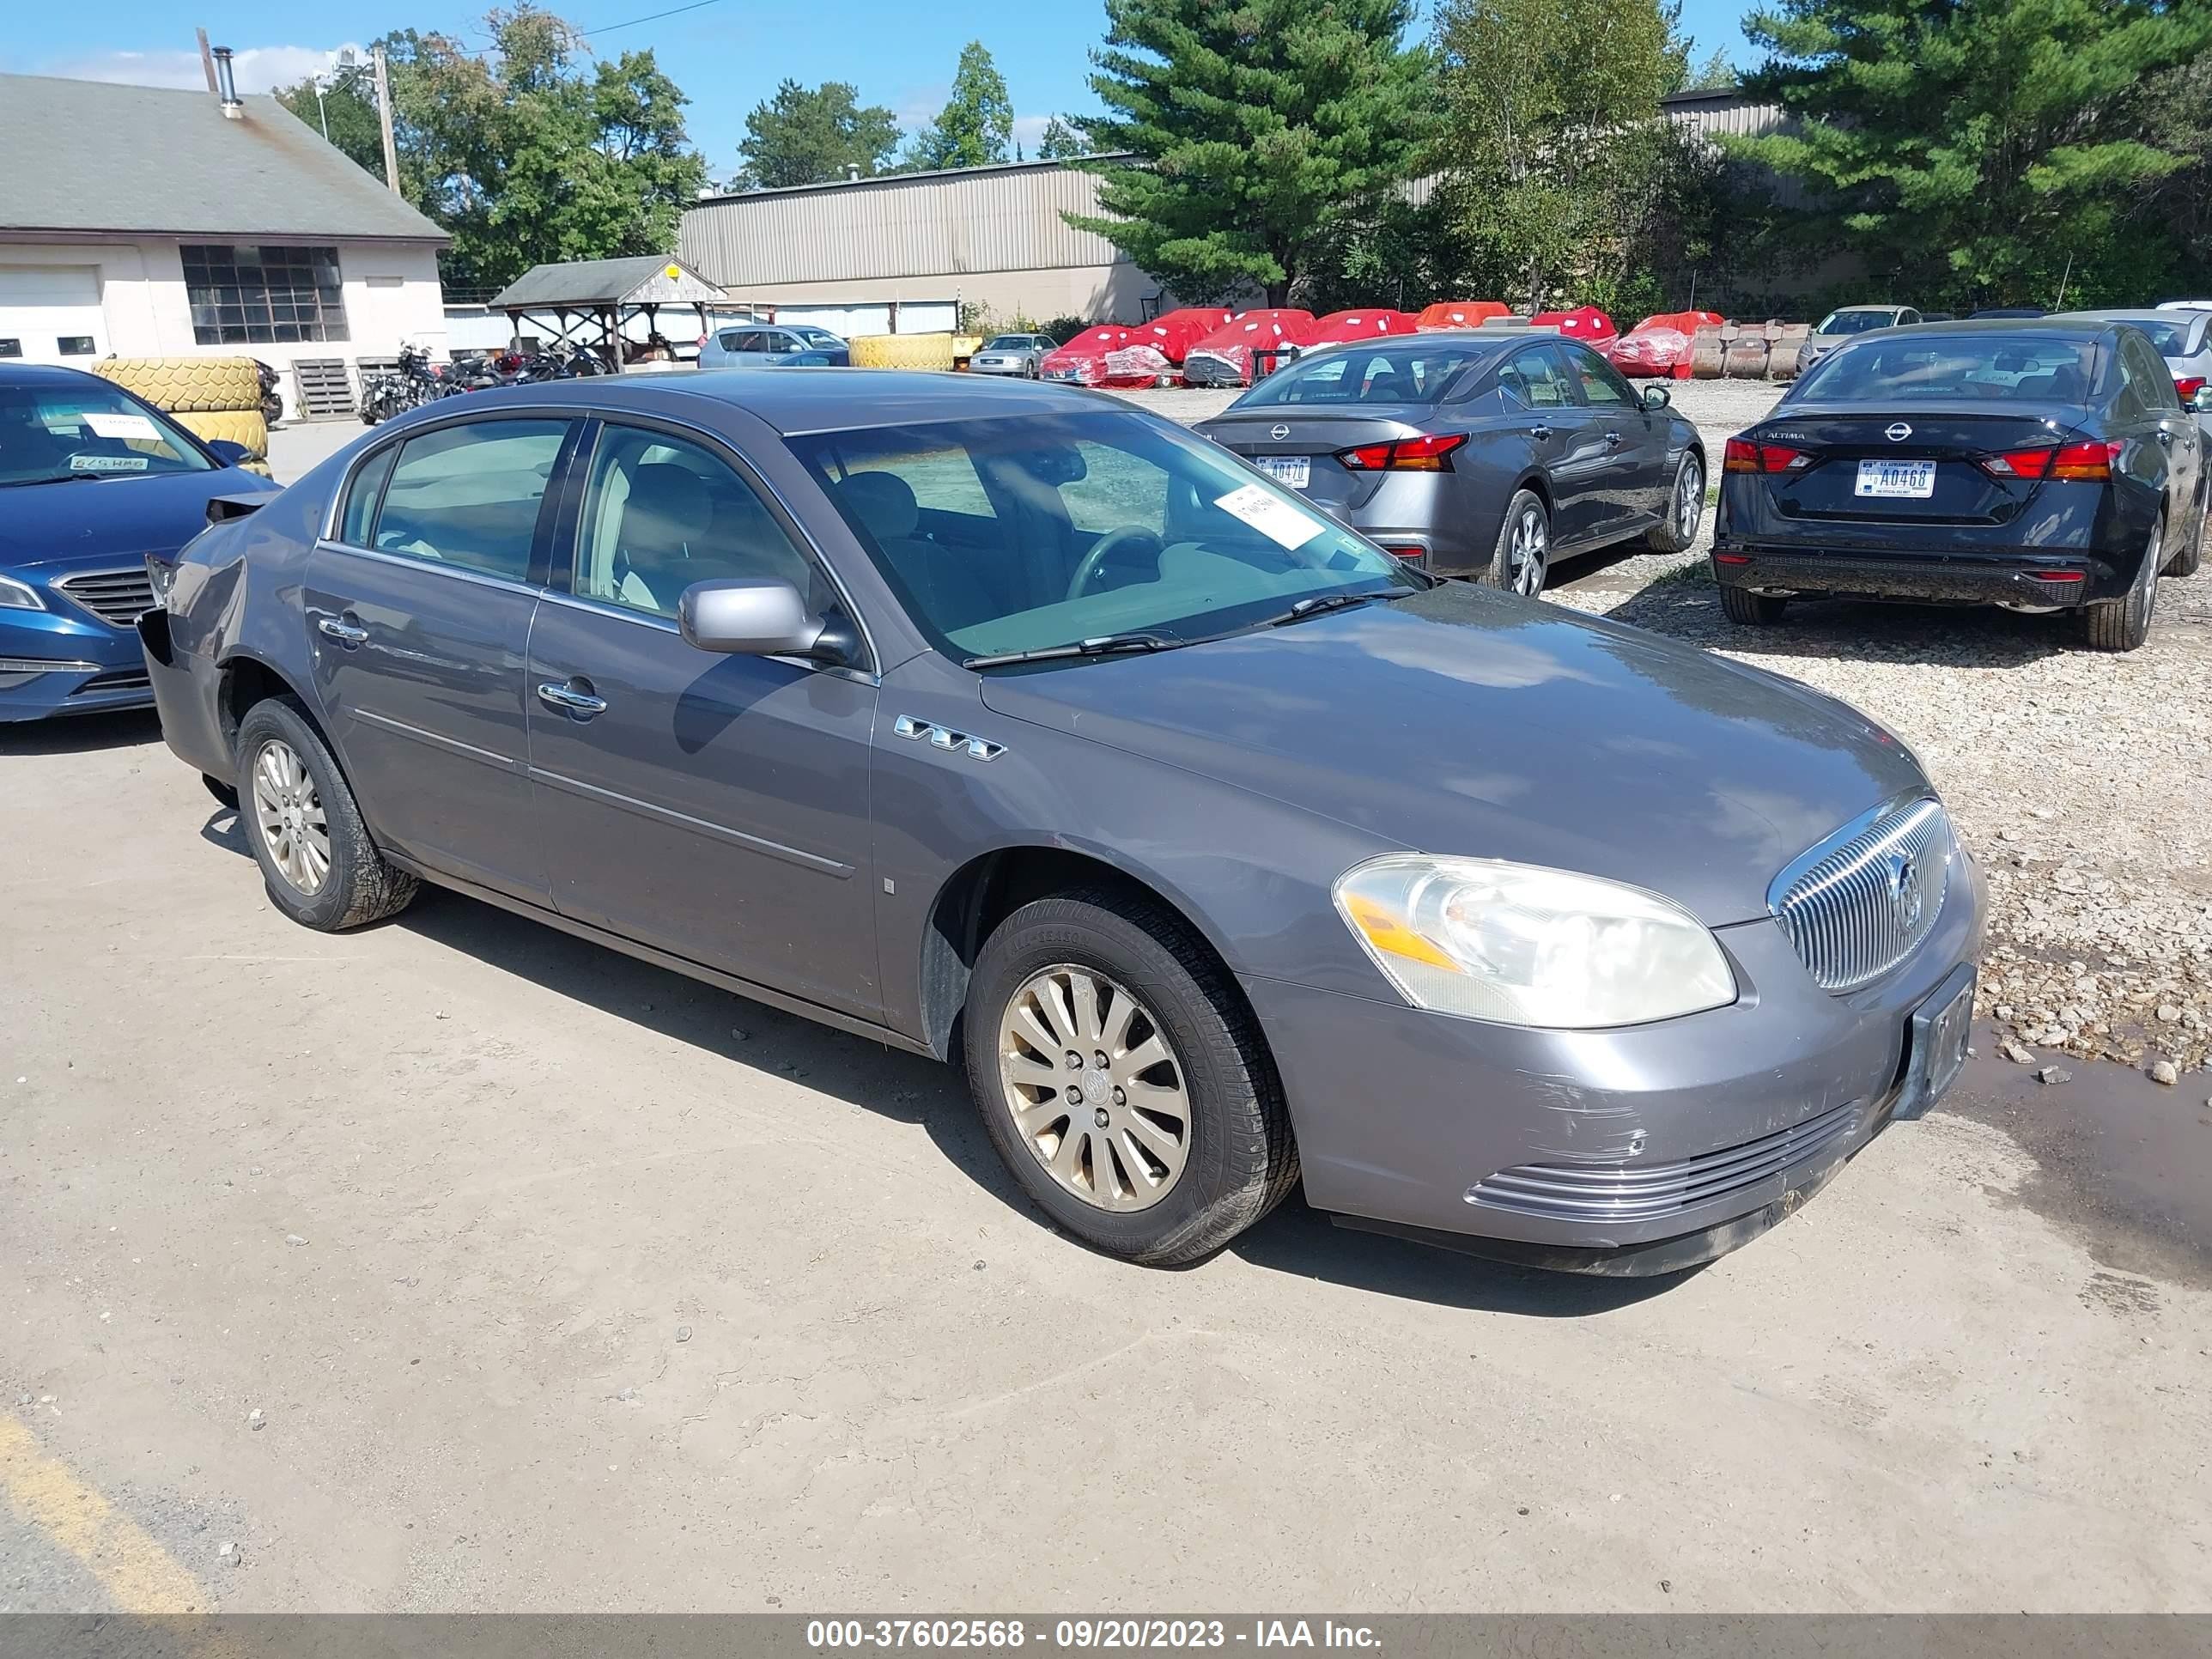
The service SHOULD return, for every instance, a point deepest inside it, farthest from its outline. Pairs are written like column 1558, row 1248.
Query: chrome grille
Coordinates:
column 1650, row 1192
column 1857, row 904
column 117, row 597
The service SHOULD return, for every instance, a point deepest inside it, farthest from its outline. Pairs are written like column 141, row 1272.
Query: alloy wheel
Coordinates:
column 1525, row 552
column 1095, row 1090
column 1689, row 502
column 290, row 816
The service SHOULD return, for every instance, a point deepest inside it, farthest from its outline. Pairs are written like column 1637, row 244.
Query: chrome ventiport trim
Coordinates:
column 944, row 737
column 1855, row 905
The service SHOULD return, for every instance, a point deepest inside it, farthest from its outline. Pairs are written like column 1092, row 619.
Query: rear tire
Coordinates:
column 1740, row 604
column 1235, row 1156
column 316, row 857
column 2122, row 624
column 1684, row 511
column 1522, row 558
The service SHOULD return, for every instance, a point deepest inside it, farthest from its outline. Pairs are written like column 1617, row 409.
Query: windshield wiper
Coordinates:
column 58, row 477
column 1315, row 605
column 1102, row 645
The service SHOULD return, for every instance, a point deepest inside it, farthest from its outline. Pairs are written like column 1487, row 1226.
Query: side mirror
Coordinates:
column 753, row 619
column 2202, row 403
column 230, row 453
column 1657, row 397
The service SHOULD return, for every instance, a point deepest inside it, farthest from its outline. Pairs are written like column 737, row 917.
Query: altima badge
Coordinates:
column 1897, row 433
column 1278, row 432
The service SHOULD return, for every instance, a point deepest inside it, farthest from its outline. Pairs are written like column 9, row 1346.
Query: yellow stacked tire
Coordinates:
column 902, row 351
column 245, row 427
column 186, row 385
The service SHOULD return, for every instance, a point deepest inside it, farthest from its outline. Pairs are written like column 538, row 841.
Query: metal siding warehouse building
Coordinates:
column 990, row 236
column 142, row 222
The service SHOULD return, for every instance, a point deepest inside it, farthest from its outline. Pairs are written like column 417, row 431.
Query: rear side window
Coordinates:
column 468, row 495
column 2146, row 384
column 362, row 498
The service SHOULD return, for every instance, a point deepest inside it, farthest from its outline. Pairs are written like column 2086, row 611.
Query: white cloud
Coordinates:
column 1029, row 131
column 259, row 69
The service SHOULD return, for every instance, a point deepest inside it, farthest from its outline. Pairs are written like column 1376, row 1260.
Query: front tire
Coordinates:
column 1686, row 509
column 1180, row 1139
column 2122, row 624
column 2186, row 559
column 316, row 857
column 1523, row 557
column 1740, row 604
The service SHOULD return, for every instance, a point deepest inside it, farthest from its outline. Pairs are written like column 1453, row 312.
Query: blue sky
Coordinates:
column 726, row 55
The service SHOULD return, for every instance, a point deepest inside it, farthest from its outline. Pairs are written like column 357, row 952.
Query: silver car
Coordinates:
column 1012, row 354
column 2183, row 336
column 1848, row 323
column 733, row 345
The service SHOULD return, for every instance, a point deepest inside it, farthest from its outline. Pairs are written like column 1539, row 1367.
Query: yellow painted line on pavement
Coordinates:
column 142, row 1576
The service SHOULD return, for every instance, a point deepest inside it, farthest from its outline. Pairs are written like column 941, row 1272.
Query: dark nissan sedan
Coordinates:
column 1006, row 724
column 1487, row 453
column 2043, row 465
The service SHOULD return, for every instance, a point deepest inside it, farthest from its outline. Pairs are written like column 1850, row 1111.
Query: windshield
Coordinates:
column 1421, row 370
column 1998, row 368
column 821, row 337
column 1854, row 322
column 87, row 429
column 2172, row 340
column 1032, row 532
column 1009, row 343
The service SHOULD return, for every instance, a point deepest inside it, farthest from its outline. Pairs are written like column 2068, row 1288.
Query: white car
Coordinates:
column 1011, row 354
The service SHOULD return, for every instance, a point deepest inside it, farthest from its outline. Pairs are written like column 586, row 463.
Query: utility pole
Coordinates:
column 207, row 59
column 384, row 116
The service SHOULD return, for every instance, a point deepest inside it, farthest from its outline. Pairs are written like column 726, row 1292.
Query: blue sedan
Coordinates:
column 73, row 570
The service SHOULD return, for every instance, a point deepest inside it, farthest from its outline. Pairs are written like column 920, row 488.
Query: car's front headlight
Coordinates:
column 1521, row 944
column 19, row 596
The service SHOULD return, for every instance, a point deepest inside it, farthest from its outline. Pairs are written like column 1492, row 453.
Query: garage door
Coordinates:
column 51, row 314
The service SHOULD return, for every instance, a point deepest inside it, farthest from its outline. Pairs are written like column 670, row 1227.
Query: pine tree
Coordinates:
column 1986, row 151
column 1251, row 125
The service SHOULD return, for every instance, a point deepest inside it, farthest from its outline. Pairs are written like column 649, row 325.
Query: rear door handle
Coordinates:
column 581, row 703
column 1540, row 432
column 343, row 632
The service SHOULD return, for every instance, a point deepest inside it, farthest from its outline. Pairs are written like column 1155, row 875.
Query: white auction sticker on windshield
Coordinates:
column 1271, row 515
column 107, row 463
column 105, row 424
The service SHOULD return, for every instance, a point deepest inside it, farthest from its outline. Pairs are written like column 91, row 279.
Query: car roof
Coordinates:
column 2072, row 325
column 1872, row 307
column 796, row 400
column 45, row 374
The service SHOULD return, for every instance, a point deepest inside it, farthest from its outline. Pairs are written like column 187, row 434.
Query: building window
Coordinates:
column 247, row 295
column 11, row 348
column 74, row 345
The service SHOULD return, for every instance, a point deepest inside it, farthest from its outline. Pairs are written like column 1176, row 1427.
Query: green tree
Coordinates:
column 802, row 137
column 535, row 151
column 975, row 128
column 1714, row 72
column 347, row 108
column 1252, row 126
column 1984, row 151
column 1559, row 162
column 1062, row 143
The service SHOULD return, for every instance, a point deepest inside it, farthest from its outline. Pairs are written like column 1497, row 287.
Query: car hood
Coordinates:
column 86, row 524
column 1464, row 720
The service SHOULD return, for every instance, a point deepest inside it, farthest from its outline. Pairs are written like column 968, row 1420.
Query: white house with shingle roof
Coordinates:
column 144, row 222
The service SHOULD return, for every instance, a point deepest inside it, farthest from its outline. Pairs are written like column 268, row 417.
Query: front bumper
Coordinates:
column 2035, row 580
column 1415, row 1123
column 977, row 366
column 64, row 662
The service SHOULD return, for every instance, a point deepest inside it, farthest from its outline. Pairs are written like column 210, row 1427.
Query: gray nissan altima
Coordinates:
column 1010, row 724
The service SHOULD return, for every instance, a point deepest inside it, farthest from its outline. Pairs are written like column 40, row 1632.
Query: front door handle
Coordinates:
column 1612, row 439
column 580, row 703
column 343, row 632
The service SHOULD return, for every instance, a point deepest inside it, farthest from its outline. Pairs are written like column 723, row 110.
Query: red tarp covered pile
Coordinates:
column 1460, row 313
column 1660, row 345
column 1225, row 357
column 1083, row 359
column 1156, row 349
column 1585, row 323
column 1341, row 326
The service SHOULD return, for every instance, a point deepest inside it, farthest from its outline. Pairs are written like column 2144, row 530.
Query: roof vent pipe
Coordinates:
column 226, row 84
column 852, row 174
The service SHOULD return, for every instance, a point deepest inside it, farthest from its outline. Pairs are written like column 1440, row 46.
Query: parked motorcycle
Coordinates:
column 409, row 386
column 272, row 404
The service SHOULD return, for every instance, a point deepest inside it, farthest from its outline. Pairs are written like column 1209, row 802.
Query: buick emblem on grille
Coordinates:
column 1897, row 433
column 1278, row 432
column 1904, row 894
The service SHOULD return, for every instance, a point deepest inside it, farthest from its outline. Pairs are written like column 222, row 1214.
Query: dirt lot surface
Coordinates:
column 456, row 1264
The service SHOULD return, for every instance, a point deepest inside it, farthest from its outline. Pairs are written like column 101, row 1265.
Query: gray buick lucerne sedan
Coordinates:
column 1010, row 724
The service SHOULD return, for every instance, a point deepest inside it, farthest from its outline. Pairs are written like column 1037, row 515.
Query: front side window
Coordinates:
column 1601, row 383
column 1537, row 379
column 468, row 496
column 661, row 513
column 1025, row 534
column 251, row 295
column 88, row 431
